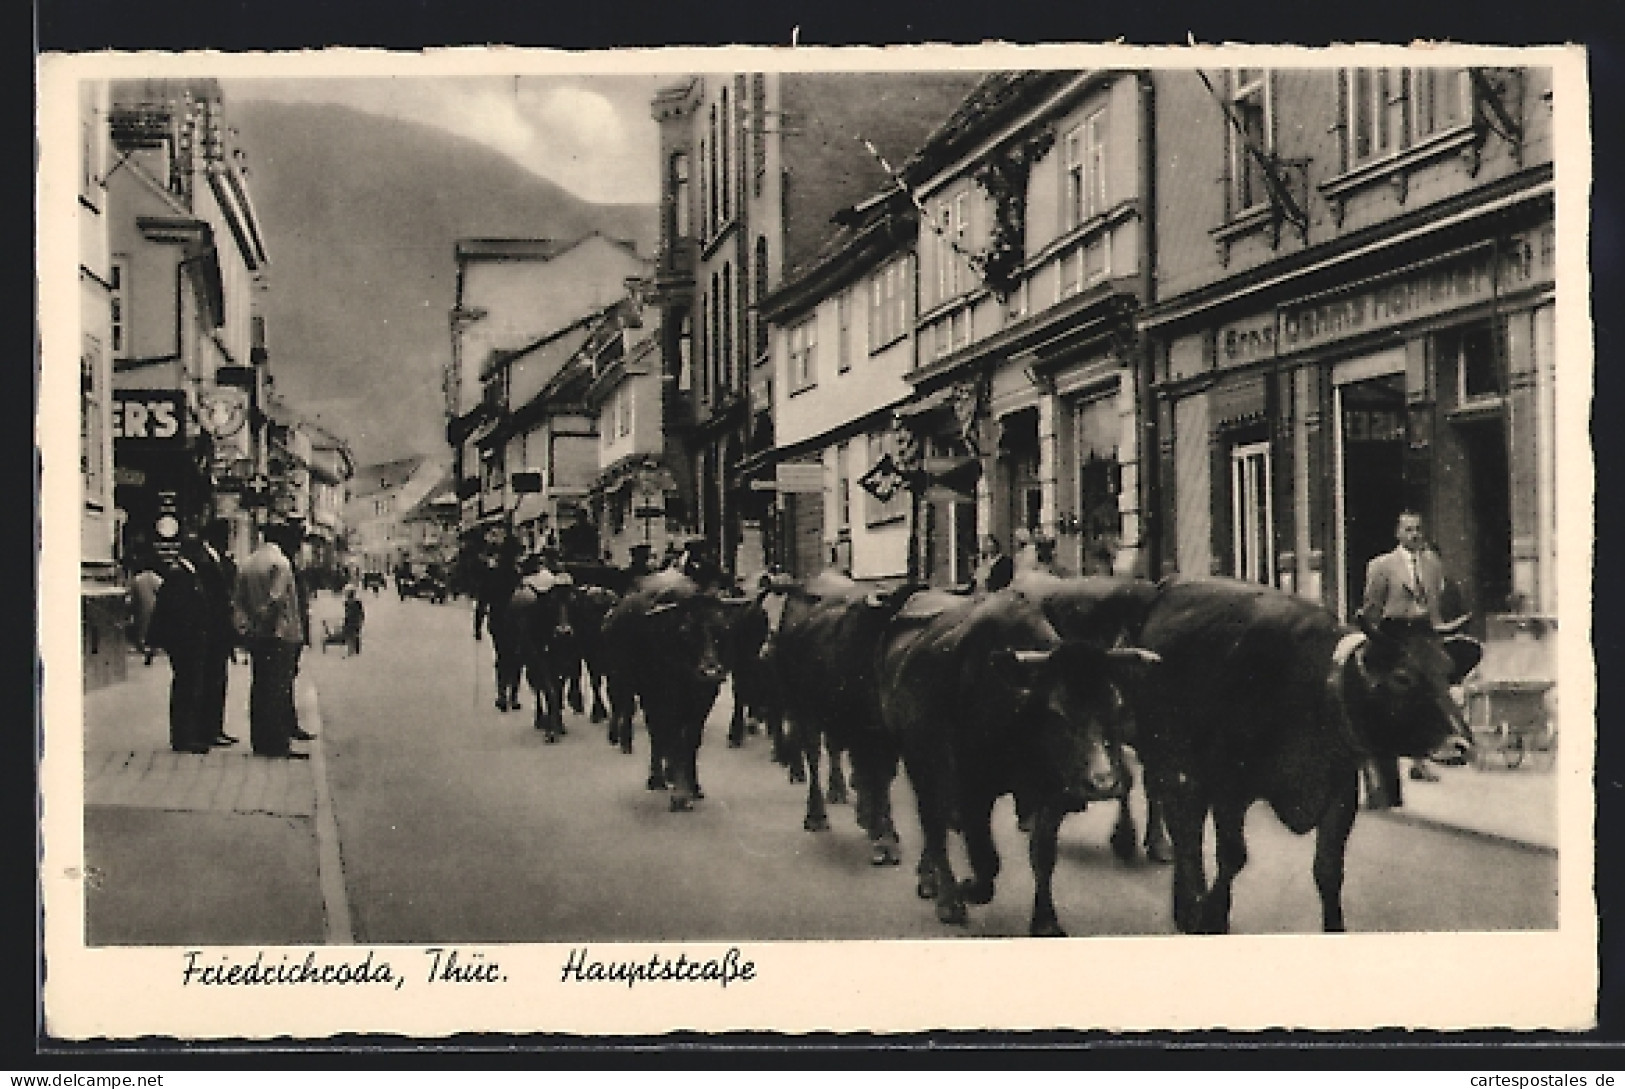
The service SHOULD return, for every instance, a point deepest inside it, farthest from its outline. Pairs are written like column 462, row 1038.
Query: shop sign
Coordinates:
column 1242, row 342
column 804, row 478
column 1438, row 287
column 149, row 416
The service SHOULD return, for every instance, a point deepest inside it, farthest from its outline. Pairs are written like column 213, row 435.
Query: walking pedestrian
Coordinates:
column 179, row 627
column 268, row 600
column 144, row 586
column 354, row 617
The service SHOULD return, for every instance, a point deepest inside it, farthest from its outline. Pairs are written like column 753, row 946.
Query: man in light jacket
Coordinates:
column 268, row 606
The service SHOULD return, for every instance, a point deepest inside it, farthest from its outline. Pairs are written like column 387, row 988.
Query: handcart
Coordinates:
column 1511, row 696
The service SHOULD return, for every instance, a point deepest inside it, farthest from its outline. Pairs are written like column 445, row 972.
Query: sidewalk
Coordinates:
column 222, row 848
column 1511, row 805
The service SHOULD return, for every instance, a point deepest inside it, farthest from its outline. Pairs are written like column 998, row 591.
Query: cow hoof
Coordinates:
column 836, row 796
column 577, row 706
column 599, row 714
column 626, row 748
column 1046, row 929
column 1123, row 846
column 885, row 854
column 736, row 743
column 562, row 729
column 973, row 892
column 926, row 887
column 1159, row 851
column 655, row 783
column 815, row 824
column 952, row 913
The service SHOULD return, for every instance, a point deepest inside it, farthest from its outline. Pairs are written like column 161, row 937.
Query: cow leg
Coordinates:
column 596, row 679
column 874, row 766
column 736, row 724
column 1230, row 842
column 1041, row 850
column 977, row 817
column 576, row 703
column 1331, row 843
column 1157, row 847
column 836, row 794
column 817, row 818
column 931, row 787
column 1124, row 833
column 1186, row 816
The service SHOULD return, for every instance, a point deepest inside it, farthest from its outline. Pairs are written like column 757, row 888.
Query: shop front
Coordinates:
column 1294, row 434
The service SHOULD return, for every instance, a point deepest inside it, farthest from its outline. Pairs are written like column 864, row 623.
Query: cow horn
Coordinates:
column 1135, row 654
column 1453, row 627
column 1032, row 657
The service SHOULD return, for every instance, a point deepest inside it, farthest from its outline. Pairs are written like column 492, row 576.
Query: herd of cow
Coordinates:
column 1226, row 691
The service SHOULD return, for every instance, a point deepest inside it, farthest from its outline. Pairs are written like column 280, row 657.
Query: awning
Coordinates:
column 930, row 402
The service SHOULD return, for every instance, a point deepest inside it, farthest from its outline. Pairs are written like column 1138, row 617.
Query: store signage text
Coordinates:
column 1454, row 282
column 149, row 415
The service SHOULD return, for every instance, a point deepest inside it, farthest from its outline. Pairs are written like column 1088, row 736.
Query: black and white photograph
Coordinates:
column 816, row 539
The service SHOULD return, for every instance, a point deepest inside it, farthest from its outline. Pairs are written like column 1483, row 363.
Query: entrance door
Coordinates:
column 1489, row 515
column 1371, row 475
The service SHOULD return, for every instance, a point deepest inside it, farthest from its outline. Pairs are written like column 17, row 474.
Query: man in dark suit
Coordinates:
column 217, row 575
column 180, row 627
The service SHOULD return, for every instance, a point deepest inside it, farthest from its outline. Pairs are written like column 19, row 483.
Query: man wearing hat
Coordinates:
column 268, row 603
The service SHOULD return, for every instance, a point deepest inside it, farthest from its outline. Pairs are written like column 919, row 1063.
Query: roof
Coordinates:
column 372, row 479
column 868, row 233
column 435, row 505
column 991, row 101
column 531, row 249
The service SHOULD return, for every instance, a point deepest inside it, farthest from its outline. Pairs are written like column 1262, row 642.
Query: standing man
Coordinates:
column 180, row 628
column 1405, row 586
column 268, row 599
column 144, row 586
column 217, row 574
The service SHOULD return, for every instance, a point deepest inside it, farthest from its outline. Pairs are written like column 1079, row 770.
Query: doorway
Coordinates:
column 1371, row 475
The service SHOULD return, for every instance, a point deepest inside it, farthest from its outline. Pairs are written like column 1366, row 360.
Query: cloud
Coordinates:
column 591, row 134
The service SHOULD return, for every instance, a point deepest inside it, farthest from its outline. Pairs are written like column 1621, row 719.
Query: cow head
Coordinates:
column 1401, row 704
column 1071, row 698
column 694, row 627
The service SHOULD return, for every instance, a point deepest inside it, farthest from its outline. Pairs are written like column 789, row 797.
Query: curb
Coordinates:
column 1440, row 825
column 329, row 864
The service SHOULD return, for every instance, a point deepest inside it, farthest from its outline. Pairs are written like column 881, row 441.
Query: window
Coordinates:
column 727, row 327
column 1251, row 513
column 714, row 351
column 685, row 353
column 724, row 172
column 679, row 195
column 1376, row 101
column 116, row 302
column 952, row 244
column 758, row 123
column 1250, row 106
column 760, row 342
column 889, row 291
column 623, row 411
column 1083, row 163
column 1441, row 100
column 92, row 392
column 1470, row 354
column 707, row 184
column 711, row 169
column 803, row 355
column 843, row 488
column 843, row 322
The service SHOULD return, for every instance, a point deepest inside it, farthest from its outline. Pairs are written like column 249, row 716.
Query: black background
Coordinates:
column 232, row 25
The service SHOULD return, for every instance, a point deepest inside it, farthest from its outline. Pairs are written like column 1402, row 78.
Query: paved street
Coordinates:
column 457, row 823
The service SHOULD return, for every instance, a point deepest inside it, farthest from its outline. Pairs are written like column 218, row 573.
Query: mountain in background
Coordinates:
column 360, row 214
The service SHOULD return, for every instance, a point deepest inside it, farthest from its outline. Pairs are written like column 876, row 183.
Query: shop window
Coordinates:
column 1251, row 514
column 804, row 355
column 1470, row 354
column 1250, row 107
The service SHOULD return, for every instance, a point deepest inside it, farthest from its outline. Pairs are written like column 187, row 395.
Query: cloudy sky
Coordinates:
column 591, row 134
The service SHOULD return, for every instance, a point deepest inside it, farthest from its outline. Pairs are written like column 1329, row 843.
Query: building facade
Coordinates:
column 1035, row 230
column 1354, row 317
column 512, row 295
column 842, row 345
column 753, row 167
column 381, row 498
